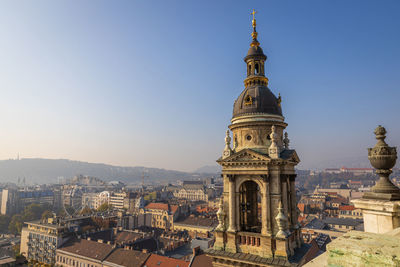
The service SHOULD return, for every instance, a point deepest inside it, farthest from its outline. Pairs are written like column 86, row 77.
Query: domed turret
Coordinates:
column 257, row 108
column 256, row 98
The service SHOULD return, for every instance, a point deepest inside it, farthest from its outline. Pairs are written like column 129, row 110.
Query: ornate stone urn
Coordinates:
column 383, row 158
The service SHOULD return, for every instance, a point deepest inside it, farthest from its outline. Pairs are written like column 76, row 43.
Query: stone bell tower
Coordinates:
column 258, row 213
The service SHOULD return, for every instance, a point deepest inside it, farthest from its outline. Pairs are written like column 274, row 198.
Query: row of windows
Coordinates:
column 43, row 237
column 71, row 262
column 341, row 226
column 345, row 212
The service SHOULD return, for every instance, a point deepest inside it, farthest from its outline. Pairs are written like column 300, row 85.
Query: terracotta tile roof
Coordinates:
column 301, row 206
column 301, row 218
column 202, row 261
column 174, row 208
column 127, row 258
column 312, row 252
column 157, row 206
column 162, row 261
column 347, row 207
column 162, row 206
column 89, row 249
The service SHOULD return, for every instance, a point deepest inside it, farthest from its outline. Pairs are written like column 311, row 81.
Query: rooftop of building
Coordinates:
column 127, row 237
column 162, row 206
column 87, row 248
column 201, row 260
column 127, row 257
column 342, row 221
column 201, row 221
column 157, row 261
column 347, row 207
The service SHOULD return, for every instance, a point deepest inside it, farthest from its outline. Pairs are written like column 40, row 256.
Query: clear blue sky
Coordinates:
column 152, row 83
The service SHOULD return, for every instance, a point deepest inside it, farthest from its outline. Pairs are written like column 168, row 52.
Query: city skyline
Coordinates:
column 137, row 84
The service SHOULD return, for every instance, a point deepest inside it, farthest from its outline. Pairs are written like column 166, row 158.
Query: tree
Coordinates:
column 46, row 214
column 104, row 207
column 86, row 211
column 34, row 211
column 16, row 223
column 4, row 222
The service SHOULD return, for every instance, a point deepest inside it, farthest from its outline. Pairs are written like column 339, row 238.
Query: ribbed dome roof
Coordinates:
column 255, row 51
column 256, row 99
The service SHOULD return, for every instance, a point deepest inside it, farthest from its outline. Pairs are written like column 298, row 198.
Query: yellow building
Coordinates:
column 162, row 215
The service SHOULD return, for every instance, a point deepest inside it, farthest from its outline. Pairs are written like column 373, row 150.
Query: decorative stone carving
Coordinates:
column 273, row 150
column 383, row 158
column 221, row 216
column 227, row 151
column 286, row 141
column 282, row 222
column 235, row 143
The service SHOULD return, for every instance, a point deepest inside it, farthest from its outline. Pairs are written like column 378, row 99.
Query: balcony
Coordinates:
column 248, row 239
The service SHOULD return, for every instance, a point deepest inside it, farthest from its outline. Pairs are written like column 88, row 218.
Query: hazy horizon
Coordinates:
column 143, row 84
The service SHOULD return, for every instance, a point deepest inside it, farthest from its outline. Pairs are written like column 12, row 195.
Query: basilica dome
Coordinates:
column 256, row 99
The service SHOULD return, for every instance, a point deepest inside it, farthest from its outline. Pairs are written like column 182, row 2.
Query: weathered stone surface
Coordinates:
column 364, row 249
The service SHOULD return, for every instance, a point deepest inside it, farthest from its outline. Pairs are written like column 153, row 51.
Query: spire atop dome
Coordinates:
column 254, row 34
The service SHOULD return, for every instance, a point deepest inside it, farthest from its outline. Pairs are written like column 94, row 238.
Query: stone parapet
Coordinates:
column 364, row 249
column 380, row 216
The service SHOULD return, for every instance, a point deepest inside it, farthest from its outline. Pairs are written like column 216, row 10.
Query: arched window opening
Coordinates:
column 257, row 68
column 249, row 73
column 250, row 207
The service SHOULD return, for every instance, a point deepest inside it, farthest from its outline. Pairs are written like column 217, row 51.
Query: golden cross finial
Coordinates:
column 253, row 13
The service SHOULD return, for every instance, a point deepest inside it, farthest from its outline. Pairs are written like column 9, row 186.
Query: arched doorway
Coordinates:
column 250, row 204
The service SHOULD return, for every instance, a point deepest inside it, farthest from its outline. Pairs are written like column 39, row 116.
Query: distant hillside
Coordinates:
column 48, row 171
column 209, row 169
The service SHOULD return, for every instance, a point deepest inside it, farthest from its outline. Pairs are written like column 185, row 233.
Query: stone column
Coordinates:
column 275, row 194
column 290, row 204
column 284, row 196
column 232, row 204
column 293, row 199
column 265, row 211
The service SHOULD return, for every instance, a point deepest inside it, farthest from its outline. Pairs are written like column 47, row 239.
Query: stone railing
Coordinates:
column 248, row 239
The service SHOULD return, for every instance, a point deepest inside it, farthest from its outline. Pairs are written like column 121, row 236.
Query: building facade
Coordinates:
column 39, row 241
column 162, row 215
column 13, row 201
column 193, row 191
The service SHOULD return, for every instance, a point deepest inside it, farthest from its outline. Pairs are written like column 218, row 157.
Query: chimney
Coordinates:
column 196, row 250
